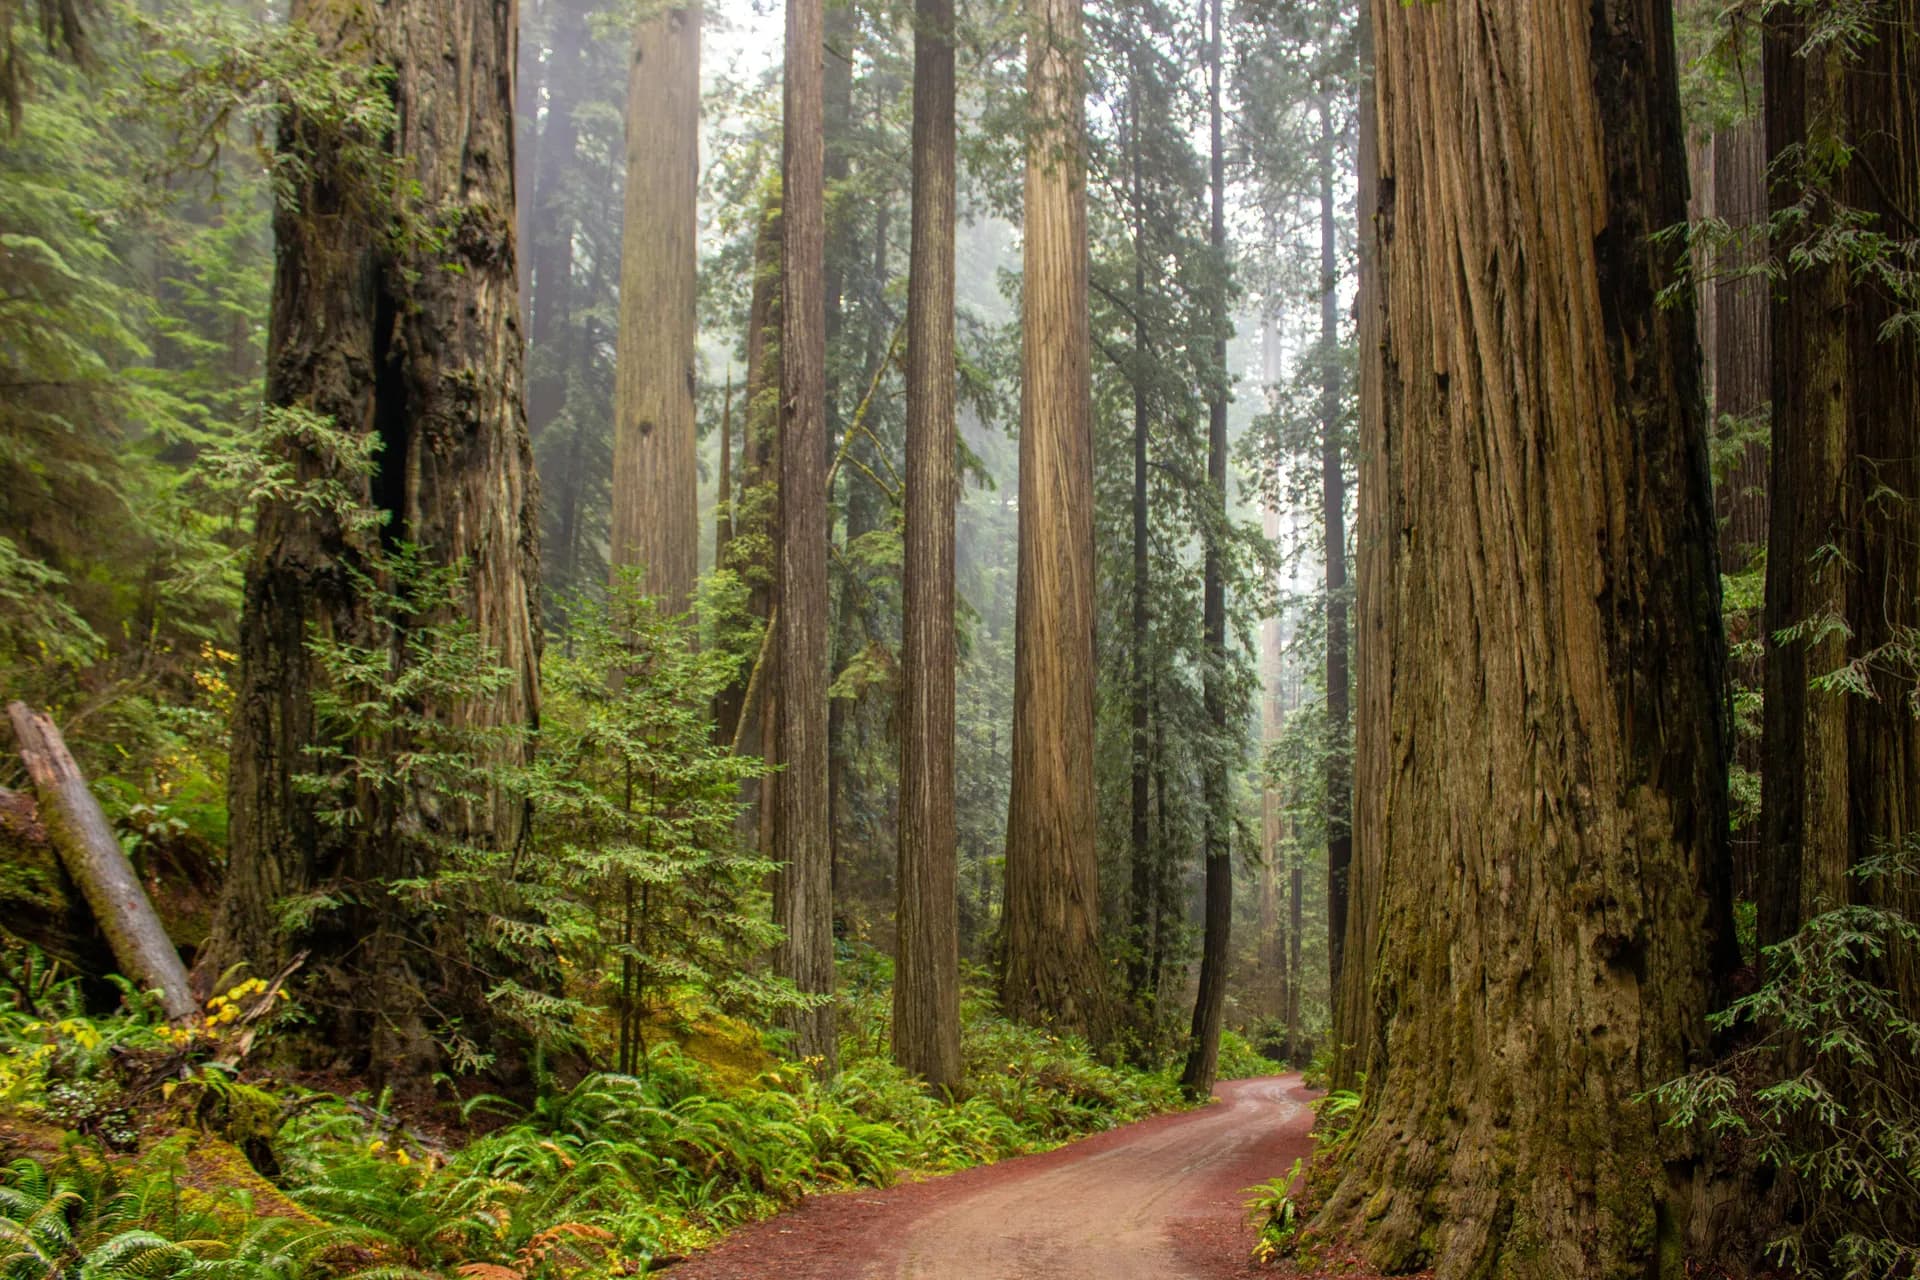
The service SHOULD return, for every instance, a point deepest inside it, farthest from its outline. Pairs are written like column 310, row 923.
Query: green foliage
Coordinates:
column 1824, row 1093
column 1271, row 1207
column 594, row 1179
column 1239, row 1060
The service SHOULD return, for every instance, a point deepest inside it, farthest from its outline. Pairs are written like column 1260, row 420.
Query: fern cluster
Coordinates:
column 607, row 1176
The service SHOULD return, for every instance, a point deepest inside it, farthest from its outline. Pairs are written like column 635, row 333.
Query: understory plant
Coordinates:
column 1823, row 1097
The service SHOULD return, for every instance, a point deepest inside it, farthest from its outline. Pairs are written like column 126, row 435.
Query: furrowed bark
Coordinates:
column 803, row 889
column 414, row 338
column 1053, row 972
column 926, row 990
column 655, row 460
column 1553, row 814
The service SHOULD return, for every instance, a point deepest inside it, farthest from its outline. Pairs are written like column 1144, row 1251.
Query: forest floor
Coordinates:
column 1161, row 1199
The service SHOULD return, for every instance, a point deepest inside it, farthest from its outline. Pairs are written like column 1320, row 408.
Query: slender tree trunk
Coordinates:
column 1053, row 972
column 1296, row 934
column 1554, row 822
column 1333, row 520
column 415, row 340
column 1141, row 898
column 803, row 892
column 1210, row 1003
column 926, row 989
column 723, row 479
column 1354, row 1023
column 1842, row 764
column 753, row 510
column 655, row 453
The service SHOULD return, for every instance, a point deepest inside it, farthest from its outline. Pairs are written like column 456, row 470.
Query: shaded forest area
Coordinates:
column 613, row 616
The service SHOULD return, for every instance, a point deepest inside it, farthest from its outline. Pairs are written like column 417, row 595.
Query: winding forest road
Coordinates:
column 1157, row 1200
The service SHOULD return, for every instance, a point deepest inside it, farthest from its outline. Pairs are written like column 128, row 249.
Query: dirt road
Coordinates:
column 1157, row 1200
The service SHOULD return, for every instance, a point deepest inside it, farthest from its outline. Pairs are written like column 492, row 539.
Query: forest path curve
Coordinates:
column 1160, row 1199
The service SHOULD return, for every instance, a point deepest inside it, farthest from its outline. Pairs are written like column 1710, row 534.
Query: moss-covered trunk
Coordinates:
column 410, row 334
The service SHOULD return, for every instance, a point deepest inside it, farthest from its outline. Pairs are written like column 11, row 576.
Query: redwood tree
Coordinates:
column 1053, row 971
column 802, row 844
column 1842, row 745
column 1210, row 1001
column 412, row 338
column 926, row 988
column 655, row 462
column 1553, row 823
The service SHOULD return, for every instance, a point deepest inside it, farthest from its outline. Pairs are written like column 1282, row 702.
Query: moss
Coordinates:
column 727, row 1047
column 214, row 1175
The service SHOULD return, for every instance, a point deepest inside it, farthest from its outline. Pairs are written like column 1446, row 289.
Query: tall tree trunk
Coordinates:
column 1141, row 899
column 926, row 989
column 753, row 516
column 1354, row 1024
column 1210, row 1002
column 554, row 350
column 655, row 452
column 1554, row 821
column 1333, row 520
column 1842, row 775
column 1741, row 355
column 1053, row 971
column 803, row 892
column 414, row 340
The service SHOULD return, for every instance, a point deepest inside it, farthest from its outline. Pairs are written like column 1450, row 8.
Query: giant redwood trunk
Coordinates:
column 655, row 456
column 926, row 989
column 1552, row 814
column 1053, row 969
column 802, row 844
column 1842, row 761
column 1210, row 1000
column 414, row 339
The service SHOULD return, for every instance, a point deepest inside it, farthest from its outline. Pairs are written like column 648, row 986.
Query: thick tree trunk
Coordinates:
column 803, row 892
column 1210, row 1001
column 655, row 454
column 1053, row 972
column 1554, row 809
column 1354, row 1021
column 1842, row 774
column 79, row 832
column 1333, row 520
column 926, row 989
column 415, row 340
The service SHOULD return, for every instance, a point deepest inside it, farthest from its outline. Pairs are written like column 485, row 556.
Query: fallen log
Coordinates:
column 93, row 857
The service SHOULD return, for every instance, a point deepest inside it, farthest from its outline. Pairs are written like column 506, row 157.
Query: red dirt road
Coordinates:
column 1157, row 1200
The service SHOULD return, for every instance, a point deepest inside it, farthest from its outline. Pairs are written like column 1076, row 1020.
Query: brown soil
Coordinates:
column 1157, row 1200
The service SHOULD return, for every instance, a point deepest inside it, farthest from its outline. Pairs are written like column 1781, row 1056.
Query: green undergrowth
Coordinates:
column 111, row 1124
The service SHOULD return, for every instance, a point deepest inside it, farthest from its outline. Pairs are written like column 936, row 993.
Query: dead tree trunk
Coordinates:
column 79, row 832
